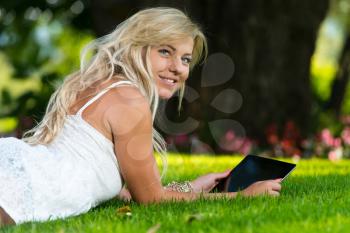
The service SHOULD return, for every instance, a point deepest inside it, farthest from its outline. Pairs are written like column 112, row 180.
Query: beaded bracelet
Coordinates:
column 183, row 187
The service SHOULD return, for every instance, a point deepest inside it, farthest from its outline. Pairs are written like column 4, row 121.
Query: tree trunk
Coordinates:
column 271, row 44
column 341, row 80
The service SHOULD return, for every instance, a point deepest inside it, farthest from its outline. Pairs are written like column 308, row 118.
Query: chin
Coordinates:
column 165, row 94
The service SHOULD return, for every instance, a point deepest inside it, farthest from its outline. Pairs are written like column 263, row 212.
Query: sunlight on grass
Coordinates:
column 315, row 198
column 179, row 164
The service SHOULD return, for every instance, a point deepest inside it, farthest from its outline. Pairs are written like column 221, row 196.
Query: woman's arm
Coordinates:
column 130, row 121
column 270, row 187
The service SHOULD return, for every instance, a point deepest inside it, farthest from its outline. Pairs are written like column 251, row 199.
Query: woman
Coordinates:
column 97, row 133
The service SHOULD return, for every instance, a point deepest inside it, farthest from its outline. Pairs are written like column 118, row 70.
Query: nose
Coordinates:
column 176, row 65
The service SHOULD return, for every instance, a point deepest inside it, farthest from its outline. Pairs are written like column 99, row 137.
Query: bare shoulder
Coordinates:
column 128, row 111
column 126, row 98
column 127, row 94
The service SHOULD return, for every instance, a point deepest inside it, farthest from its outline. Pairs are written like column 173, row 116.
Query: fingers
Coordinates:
column 276, row 186
column 267, row 187
column 222, row 174
column 271, row 187
column 213, row 186
column 124, row 195
column 273, row 193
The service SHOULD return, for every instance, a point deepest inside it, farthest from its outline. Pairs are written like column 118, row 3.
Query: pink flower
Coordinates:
column 296, row 158
column 181, row 139
column 233, row 143
column 230, row 135
column 246, row 147
column 336, row 142
column 345, row 135
column 335, row 154
column 327, row 137
column 271, row 133
column 199, row 147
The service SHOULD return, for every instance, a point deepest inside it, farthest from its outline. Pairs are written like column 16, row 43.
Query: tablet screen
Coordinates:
column 252, row 169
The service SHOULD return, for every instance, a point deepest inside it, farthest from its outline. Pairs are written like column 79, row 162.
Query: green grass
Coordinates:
column 315, row 198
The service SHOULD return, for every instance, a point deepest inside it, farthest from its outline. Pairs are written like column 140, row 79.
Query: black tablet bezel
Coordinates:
column 222, row 186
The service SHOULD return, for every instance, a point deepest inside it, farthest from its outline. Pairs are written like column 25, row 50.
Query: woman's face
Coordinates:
column 171, row 65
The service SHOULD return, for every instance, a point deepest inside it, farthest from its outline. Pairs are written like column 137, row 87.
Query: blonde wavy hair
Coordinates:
column 120, row 53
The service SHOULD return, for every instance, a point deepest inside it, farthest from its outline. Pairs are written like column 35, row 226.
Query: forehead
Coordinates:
column 184, row 45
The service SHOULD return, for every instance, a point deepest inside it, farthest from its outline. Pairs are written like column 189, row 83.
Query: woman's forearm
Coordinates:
column 171, row 195
column 168, row 195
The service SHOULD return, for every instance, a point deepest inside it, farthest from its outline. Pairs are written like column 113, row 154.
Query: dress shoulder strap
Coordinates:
column 101, row 93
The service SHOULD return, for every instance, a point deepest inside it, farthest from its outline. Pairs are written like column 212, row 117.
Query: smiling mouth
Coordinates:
column 168, row 80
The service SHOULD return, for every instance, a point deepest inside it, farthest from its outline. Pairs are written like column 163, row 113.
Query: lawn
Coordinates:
column 315, row 198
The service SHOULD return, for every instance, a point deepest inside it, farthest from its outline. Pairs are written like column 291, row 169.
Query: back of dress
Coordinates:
column 67, row 177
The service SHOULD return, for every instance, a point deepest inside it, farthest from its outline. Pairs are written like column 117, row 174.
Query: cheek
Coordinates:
column 185, row 75
column 157, row 63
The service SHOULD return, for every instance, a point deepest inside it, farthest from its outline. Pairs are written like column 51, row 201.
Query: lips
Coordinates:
column 168, row 81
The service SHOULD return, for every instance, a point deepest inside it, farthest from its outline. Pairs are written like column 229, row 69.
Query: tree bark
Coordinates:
column 271, row 44
column 341, row 80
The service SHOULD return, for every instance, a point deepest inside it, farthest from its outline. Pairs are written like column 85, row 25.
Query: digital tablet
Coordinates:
column 252, row 169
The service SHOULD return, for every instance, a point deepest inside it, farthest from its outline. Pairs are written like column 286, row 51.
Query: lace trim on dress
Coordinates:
column 16, row 196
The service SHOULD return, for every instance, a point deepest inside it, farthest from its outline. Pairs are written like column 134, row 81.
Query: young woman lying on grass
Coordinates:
column 97, row 133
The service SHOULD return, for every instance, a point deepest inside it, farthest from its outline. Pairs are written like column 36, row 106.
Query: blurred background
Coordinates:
column 275, row 82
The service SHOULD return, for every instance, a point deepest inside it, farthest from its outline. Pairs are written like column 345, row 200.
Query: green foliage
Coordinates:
column 322, row 75
column 45, row 51
column 330, row 42
column 346, row 103
column 315, row 198
column 330, row 121
column 324, row 67
column 8, row 124
column 325, row 59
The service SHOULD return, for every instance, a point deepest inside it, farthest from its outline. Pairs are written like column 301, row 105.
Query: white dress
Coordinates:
column 74, row 173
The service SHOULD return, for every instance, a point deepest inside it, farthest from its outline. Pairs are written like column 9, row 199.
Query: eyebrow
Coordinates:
column 174, row 49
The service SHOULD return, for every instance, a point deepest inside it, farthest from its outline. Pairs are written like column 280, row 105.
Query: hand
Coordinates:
column 207, row 182
column 124, row 194
column 266, row 187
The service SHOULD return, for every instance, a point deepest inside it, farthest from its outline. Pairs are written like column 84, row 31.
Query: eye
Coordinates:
column 164, row 52
column 187, row 60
